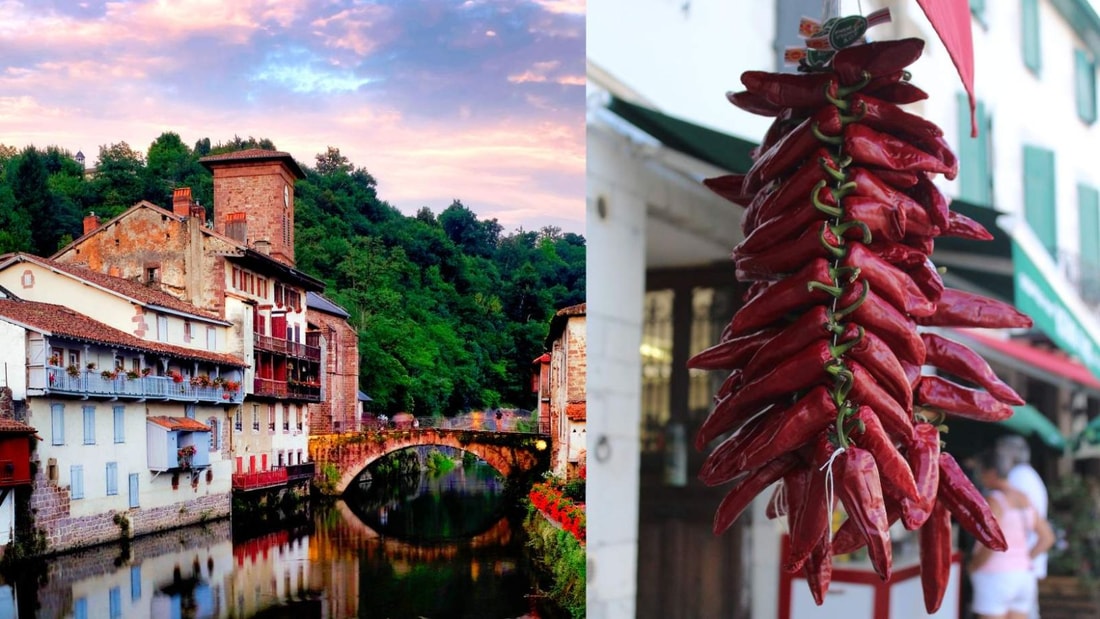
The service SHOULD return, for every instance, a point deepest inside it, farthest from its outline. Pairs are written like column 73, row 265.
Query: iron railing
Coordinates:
column 90, row 383
column 266, row 387
column 298, row 472
column 481, row 423
column 260, row 479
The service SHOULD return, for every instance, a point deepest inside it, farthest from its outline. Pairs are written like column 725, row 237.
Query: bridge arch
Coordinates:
column 341, row 458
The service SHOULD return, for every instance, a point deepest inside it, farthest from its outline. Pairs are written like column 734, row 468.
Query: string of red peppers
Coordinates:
column 825, row 392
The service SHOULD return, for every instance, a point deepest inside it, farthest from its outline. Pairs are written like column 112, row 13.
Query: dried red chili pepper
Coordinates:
column 722, row 465
column 793, row 148
column 939, row 393
column 868, row 184
column 806, row 90
column 957, row 359
column 898, row 179
column 777, row 504
column 932, row 199
column 783, row 124
column 888, row 281
column 810, row 525
column 860, row 490
column 751, row 485
column 790, row 294
column 784, row 258
column 848, row 539
column 730, row 187
column 923, row 454
column 895, row 418
column 928, row 279
column 784, row 227
column 875, row 59
column 891, row 119
column 897, row 254
column 963, row 227
column 883, row 221
column 754, row 104
column 819, row 571
column 782, row 197
column 899, row 92
column 872, row 353
column 935, row 557
column 959, row 495
column 881, row 318
column 957, row 308
column 732, row 353
column 893, row 469
column 811, row 326
column 879, row 150
column 802, row 371
column 783, row 431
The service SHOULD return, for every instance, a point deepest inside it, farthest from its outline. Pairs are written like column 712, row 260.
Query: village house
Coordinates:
column 127, row 408
column 340, row 380
column 240, row 267
column 560, row 383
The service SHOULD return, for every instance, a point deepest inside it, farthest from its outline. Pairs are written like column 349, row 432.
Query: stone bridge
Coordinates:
column 340, row 458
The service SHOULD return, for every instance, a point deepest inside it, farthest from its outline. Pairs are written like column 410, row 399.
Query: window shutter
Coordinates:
column 977, row 8
column 114, row 597
column 120, row 424
column 1039, row 200
column 89, row 425
column 57, row 424
column 975, row 178
column 76, row 481
column 1029, row 35
column 1088, row 227
column 112, row 478
column 1085, row 70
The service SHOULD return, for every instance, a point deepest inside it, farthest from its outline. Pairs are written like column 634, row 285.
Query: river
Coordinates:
column 444, row 547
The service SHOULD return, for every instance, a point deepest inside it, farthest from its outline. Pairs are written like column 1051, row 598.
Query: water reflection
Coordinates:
column 339, row 566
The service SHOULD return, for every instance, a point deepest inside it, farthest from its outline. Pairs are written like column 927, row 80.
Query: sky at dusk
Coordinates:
column 481, row 100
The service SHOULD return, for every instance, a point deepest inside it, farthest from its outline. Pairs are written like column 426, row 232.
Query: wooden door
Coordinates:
column 684, row 570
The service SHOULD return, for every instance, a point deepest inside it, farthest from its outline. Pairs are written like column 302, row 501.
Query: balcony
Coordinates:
column 285, row 347
column 90, row 383
column 266, row 387
column 259, row 480
column 299, row 472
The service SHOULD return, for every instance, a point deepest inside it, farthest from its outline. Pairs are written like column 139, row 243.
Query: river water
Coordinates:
column 436, row 548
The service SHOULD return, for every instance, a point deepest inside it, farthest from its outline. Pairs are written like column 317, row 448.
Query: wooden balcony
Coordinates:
column 299, row 472
column 268, row 388
column 92, row 384
column 285, row 347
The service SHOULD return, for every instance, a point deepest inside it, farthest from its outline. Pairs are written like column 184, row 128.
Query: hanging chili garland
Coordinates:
column 825, row 392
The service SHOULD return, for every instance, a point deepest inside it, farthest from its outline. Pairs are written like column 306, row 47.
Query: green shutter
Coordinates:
column 977, row 7
column 1085, row 71
column 975, row 179
column 1029, row 34
column 1088, row 229
column 1039, row 201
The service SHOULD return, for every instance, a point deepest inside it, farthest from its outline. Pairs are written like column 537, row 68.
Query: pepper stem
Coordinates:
column 834, row 291
column 837, row 101
column 835, row 140
column 847, row 90
column 841, row 272
column 815, row 196
column 838, row 252
column 842, row 229
column 844, row 311
column 854, row 118
column 839, row 350
column 844, row 190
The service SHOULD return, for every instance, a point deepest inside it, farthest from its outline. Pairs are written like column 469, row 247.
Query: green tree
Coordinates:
column 119, row 181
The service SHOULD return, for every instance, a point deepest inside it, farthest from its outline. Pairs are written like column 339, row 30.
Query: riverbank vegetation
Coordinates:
column 450, row 308
column 556, row 529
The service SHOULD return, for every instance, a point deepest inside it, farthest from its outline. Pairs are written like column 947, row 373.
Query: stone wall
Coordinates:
column 50, row 508
column 339, row 412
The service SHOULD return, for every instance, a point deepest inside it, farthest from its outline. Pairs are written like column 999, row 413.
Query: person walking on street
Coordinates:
column 1023, row 477
column 1004, row 585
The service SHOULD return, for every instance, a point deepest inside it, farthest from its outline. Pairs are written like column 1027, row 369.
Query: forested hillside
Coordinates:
column 451, row 310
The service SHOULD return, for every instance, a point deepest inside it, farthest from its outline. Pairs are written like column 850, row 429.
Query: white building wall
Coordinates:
column 7, row 518
column 13, row 359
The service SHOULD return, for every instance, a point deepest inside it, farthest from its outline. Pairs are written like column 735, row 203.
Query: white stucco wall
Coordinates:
column 13, row 359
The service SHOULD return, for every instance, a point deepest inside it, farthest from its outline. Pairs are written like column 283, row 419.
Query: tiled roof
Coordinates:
column 254, row 154
column 129, row 288
column 57, row 320
column 179, row 423
column 11, row 426
column 577, row 411
column 321, row 303
column 573, row 310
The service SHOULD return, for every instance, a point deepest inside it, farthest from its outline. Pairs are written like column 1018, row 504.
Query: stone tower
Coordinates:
column 254, row 199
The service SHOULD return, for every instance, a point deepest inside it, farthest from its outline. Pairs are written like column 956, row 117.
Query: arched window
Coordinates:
column 213, row 423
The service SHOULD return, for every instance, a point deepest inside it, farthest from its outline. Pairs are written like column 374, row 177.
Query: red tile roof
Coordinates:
column 573, row 310
column 128, row 288
column 11, row 426
column 57, row 320
column 577, row 411
column 179, row 423
column 255, row 154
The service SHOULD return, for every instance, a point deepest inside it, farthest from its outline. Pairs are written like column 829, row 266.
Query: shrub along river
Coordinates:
column 440, row 544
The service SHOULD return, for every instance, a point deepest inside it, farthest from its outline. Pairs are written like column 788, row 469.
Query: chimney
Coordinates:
column 236, row 227
column 91, row 222
column 263, row 246
column 181, row 201
column 198, row 212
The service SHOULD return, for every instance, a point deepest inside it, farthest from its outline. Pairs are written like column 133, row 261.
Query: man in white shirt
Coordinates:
column 1025, row 478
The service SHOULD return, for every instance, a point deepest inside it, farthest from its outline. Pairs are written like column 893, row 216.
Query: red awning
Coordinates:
column 951, row 20
column 1047, row 364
